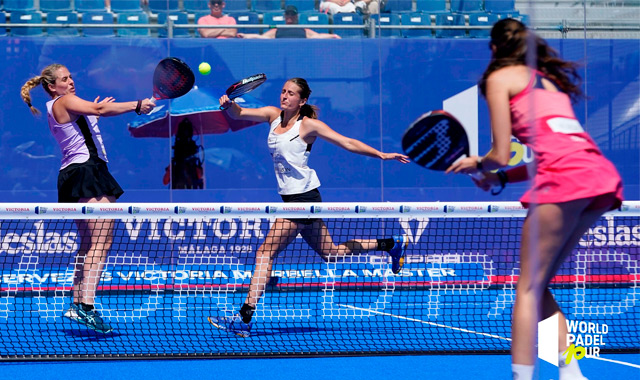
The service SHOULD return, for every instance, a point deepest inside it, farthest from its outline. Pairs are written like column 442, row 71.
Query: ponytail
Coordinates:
column 47, row 77
column 309, row 111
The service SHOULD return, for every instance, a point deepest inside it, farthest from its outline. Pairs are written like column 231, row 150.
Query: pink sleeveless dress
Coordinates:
column 569, row 165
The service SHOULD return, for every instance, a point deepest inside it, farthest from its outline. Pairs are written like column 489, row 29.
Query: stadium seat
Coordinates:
column 19, row 5
column 247, row 17
column 262, row 6
column 481, row 19
column 499, row 6
column 178, row 18
column 89, row 6
column 466, row 6
column 348, row 19
column 236, row 6
column 416, row 19
column 55, row 5
column 132, row 18
column 62, row 18
column 450, row 20
column 273, row 18
column 18, row 17
column 3, row 20
column 385, row 19
column 397, row 6
column 195, row 6
column 315, row 18
column 118, row 6
column 302, row 5
column 431, row 6
column 94, row 18
column 156, row 6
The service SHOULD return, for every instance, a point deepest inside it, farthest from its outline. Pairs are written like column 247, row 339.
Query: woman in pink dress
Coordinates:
column 529, row 90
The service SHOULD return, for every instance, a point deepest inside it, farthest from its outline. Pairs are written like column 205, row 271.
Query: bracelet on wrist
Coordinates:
column 479, row 165
column 502, row 176
column 138, row 107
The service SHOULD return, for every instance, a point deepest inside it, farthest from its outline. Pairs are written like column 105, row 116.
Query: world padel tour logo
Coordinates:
column 583, row 339
column 225, row 209
column 271, row 209
column 87, row 210
column 404, row 209
column 493, row 208
column 316, row 209
column 134, row 210
column 41, row 210
column 361, row 209
column 180, row 210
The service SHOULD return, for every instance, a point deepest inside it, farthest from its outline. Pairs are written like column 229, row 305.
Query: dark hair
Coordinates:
column 307, row 109
column 512, row 39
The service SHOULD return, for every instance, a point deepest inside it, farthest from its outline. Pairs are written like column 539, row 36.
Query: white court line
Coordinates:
column 614, row 361
column 427, row 322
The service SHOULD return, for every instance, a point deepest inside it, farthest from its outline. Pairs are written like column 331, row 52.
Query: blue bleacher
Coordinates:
column 89, row 6
column 65, row 17
column 3, row 20
column 302, row 5
column 348, row 19
column 397, row 6
column 164, row 6
column 98, row 18
column 118, row 6
column 26, row 17
column 19, row 5
column 125, row 18
column 236, row 6
column 315, row 18
column 466, row 6
column 246, row 17
column 451, row 19
column 481, row 19
column 416, row 19
column 55, row 5
column 431, row 6
column 194, row 6
column 262, row 6
column 273, row 18
column 387, row 19
column 178, row 18
column 499, row 6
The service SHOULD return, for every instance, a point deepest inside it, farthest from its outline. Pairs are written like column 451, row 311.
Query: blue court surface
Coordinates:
column 441, row 367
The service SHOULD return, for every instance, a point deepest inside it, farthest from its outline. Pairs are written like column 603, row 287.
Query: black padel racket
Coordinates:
column 244, row 86
column 435, row 140
column 172, row 79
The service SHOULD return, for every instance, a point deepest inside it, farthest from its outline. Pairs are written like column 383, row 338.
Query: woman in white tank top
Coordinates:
column 84, row 177
column 294, row 127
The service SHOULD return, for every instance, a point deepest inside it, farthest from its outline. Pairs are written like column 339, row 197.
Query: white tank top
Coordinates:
column 78, row 140
column 290, row 156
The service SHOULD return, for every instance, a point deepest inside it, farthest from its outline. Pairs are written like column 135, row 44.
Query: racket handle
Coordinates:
column 478, row 175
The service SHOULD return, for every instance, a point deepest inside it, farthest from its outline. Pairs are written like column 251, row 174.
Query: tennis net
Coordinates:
column 173, row 266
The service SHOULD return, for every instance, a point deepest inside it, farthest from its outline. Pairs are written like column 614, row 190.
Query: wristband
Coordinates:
column 479, row 164
column 138, row 107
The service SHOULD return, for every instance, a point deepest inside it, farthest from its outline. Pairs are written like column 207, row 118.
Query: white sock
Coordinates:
column 569, row 371
column 522, row 371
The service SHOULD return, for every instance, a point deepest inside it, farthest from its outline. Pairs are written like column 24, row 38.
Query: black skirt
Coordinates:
column 89, row 179
column 311, row 196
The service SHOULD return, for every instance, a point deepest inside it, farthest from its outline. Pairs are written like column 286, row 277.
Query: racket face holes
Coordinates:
column 172, row 78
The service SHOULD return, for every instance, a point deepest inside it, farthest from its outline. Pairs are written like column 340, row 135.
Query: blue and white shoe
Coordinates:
column 398, row 252
column 91, row 318
column 232, row 324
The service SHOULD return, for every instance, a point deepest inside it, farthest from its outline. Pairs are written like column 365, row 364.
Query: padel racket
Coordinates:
column 244, row 86
column 172, row 79
column 435, row 140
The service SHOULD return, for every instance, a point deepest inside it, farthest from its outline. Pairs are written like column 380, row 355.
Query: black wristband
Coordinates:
column 138, row 107
column 479, row 164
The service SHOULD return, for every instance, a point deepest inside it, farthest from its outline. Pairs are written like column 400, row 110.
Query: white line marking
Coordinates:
column 427, row 322
column 614, row 361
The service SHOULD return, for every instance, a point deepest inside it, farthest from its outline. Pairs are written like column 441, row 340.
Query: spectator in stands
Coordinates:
column 290, row 18
column 83, row 177
column 217, row 18
column 347, row 6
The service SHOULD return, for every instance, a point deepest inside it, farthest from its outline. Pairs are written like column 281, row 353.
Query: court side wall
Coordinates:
column 369, row 89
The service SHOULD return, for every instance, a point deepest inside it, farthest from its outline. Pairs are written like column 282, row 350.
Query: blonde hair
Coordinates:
column 46, row 77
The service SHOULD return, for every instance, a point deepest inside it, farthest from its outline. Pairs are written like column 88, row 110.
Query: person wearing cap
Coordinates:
column 290, row 18
column 217, row 18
